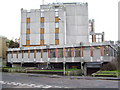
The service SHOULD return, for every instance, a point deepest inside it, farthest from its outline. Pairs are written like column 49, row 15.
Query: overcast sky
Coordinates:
column 105, row 13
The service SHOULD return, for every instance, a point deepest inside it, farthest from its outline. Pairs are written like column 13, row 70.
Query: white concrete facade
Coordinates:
column 73, row 23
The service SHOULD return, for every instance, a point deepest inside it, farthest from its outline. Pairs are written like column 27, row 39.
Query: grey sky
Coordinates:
column 105, row 13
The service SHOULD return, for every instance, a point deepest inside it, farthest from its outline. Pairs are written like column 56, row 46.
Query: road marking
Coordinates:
column 30, row 85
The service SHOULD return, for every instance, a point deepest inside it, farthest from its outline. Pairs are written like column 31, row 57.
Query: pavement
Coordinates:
column 24, row 80
column 75, row 77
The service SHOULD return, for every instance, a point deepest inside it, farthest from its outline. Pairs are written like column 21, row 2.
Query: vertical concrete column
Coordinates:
column 91, row 53
column 73, row 54
column 48, row 55
column 41, row 55
column 35, row 55
column 28, row 55
column 64, row 57
column 101, row 52
column 56, row 54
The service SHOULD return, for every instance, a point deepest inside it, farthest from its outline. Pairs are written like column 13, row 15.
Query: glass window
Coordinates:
column 42, row 13
column 56, row 13
column 27, row 36
column 52, row 53
column 28, row 25
column 56, row 25
column 42, row 25
column 60, row 53
column 41, row 36
column 77, row 52
column 56, row 36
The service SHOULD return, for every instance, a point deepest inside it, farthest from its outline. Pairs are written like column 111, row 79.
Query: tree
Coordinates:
column 12, row 44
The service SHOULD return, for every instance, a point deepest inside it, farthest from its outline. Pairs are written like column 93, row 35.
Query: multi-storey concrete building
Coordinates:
column 58, row 34
column 55, row 24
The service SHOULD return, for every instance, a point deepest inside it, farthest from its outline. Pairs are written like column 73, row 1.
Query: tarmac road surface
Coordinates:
column 22, row 80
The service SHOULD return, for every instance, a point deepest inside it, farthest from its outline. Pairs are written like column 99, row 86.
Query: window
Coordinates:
column 28, row 20
column 28, row 25
column 41, row 36
column 60, row 53
column 27, row 42
column 42, row 42
column 77, row 52
column 42, row 25
column 56, row 42
column 68, row 52
column 42, row 19
column 42, row 31
column 56, row 13
column 56, row 30
column 56, row 25
column 56, row 19
column 52, row 53
column 56, row 36
column 42, row 13
column 27, row 36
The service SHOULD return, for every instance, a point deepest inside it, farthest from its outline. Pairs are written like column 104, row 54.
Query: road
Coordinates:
column 22, row 80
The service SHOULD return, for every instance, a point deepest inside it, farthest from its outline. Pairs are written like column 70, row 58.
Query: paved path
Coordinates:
column 21, row 80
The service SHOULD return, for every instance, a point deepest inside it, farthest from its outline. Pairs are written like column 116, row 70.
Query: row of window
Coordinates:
column 42, row 29
column 52, row 53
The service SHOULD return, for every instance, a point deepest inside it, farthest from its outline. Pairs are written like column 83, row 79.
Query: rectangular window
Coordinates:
column 56, row 36
column 42, row 13
column 56, row 25
column 28, row 31
column 41, row 36
column 27, row 36
column 42, row 31
column 56, row 30
column 77, row 52
column 42, row 19
column 56, row 13
column 28, row 20
column 60, row 53
column 42, row 42
column 41, row 25
column 28, row 25
column 56, row 42
column 27, row 42
column 52, row 53
column 56, row 19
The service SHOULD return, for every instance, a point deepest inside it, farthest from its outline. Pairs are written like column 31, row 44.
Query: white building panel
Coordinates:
column 52, row 38
column 31, row 59
column 23, row 40
column 23, row 16
column 25, row 57
column 46, row 28
column 46, row 39
column 23, row 28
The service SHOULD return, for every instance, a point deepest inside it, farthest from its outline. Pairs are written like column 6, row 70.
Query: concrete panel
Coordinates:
column 45, row 57
column 31, row 57
column 25, row 59
column 61, row 39
column 52, row 38
column 46, row 28
column 23, row 17
column 60, row 59
column 34, row 39
column 23, row 28
column 46, row 39
column 77, row 59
